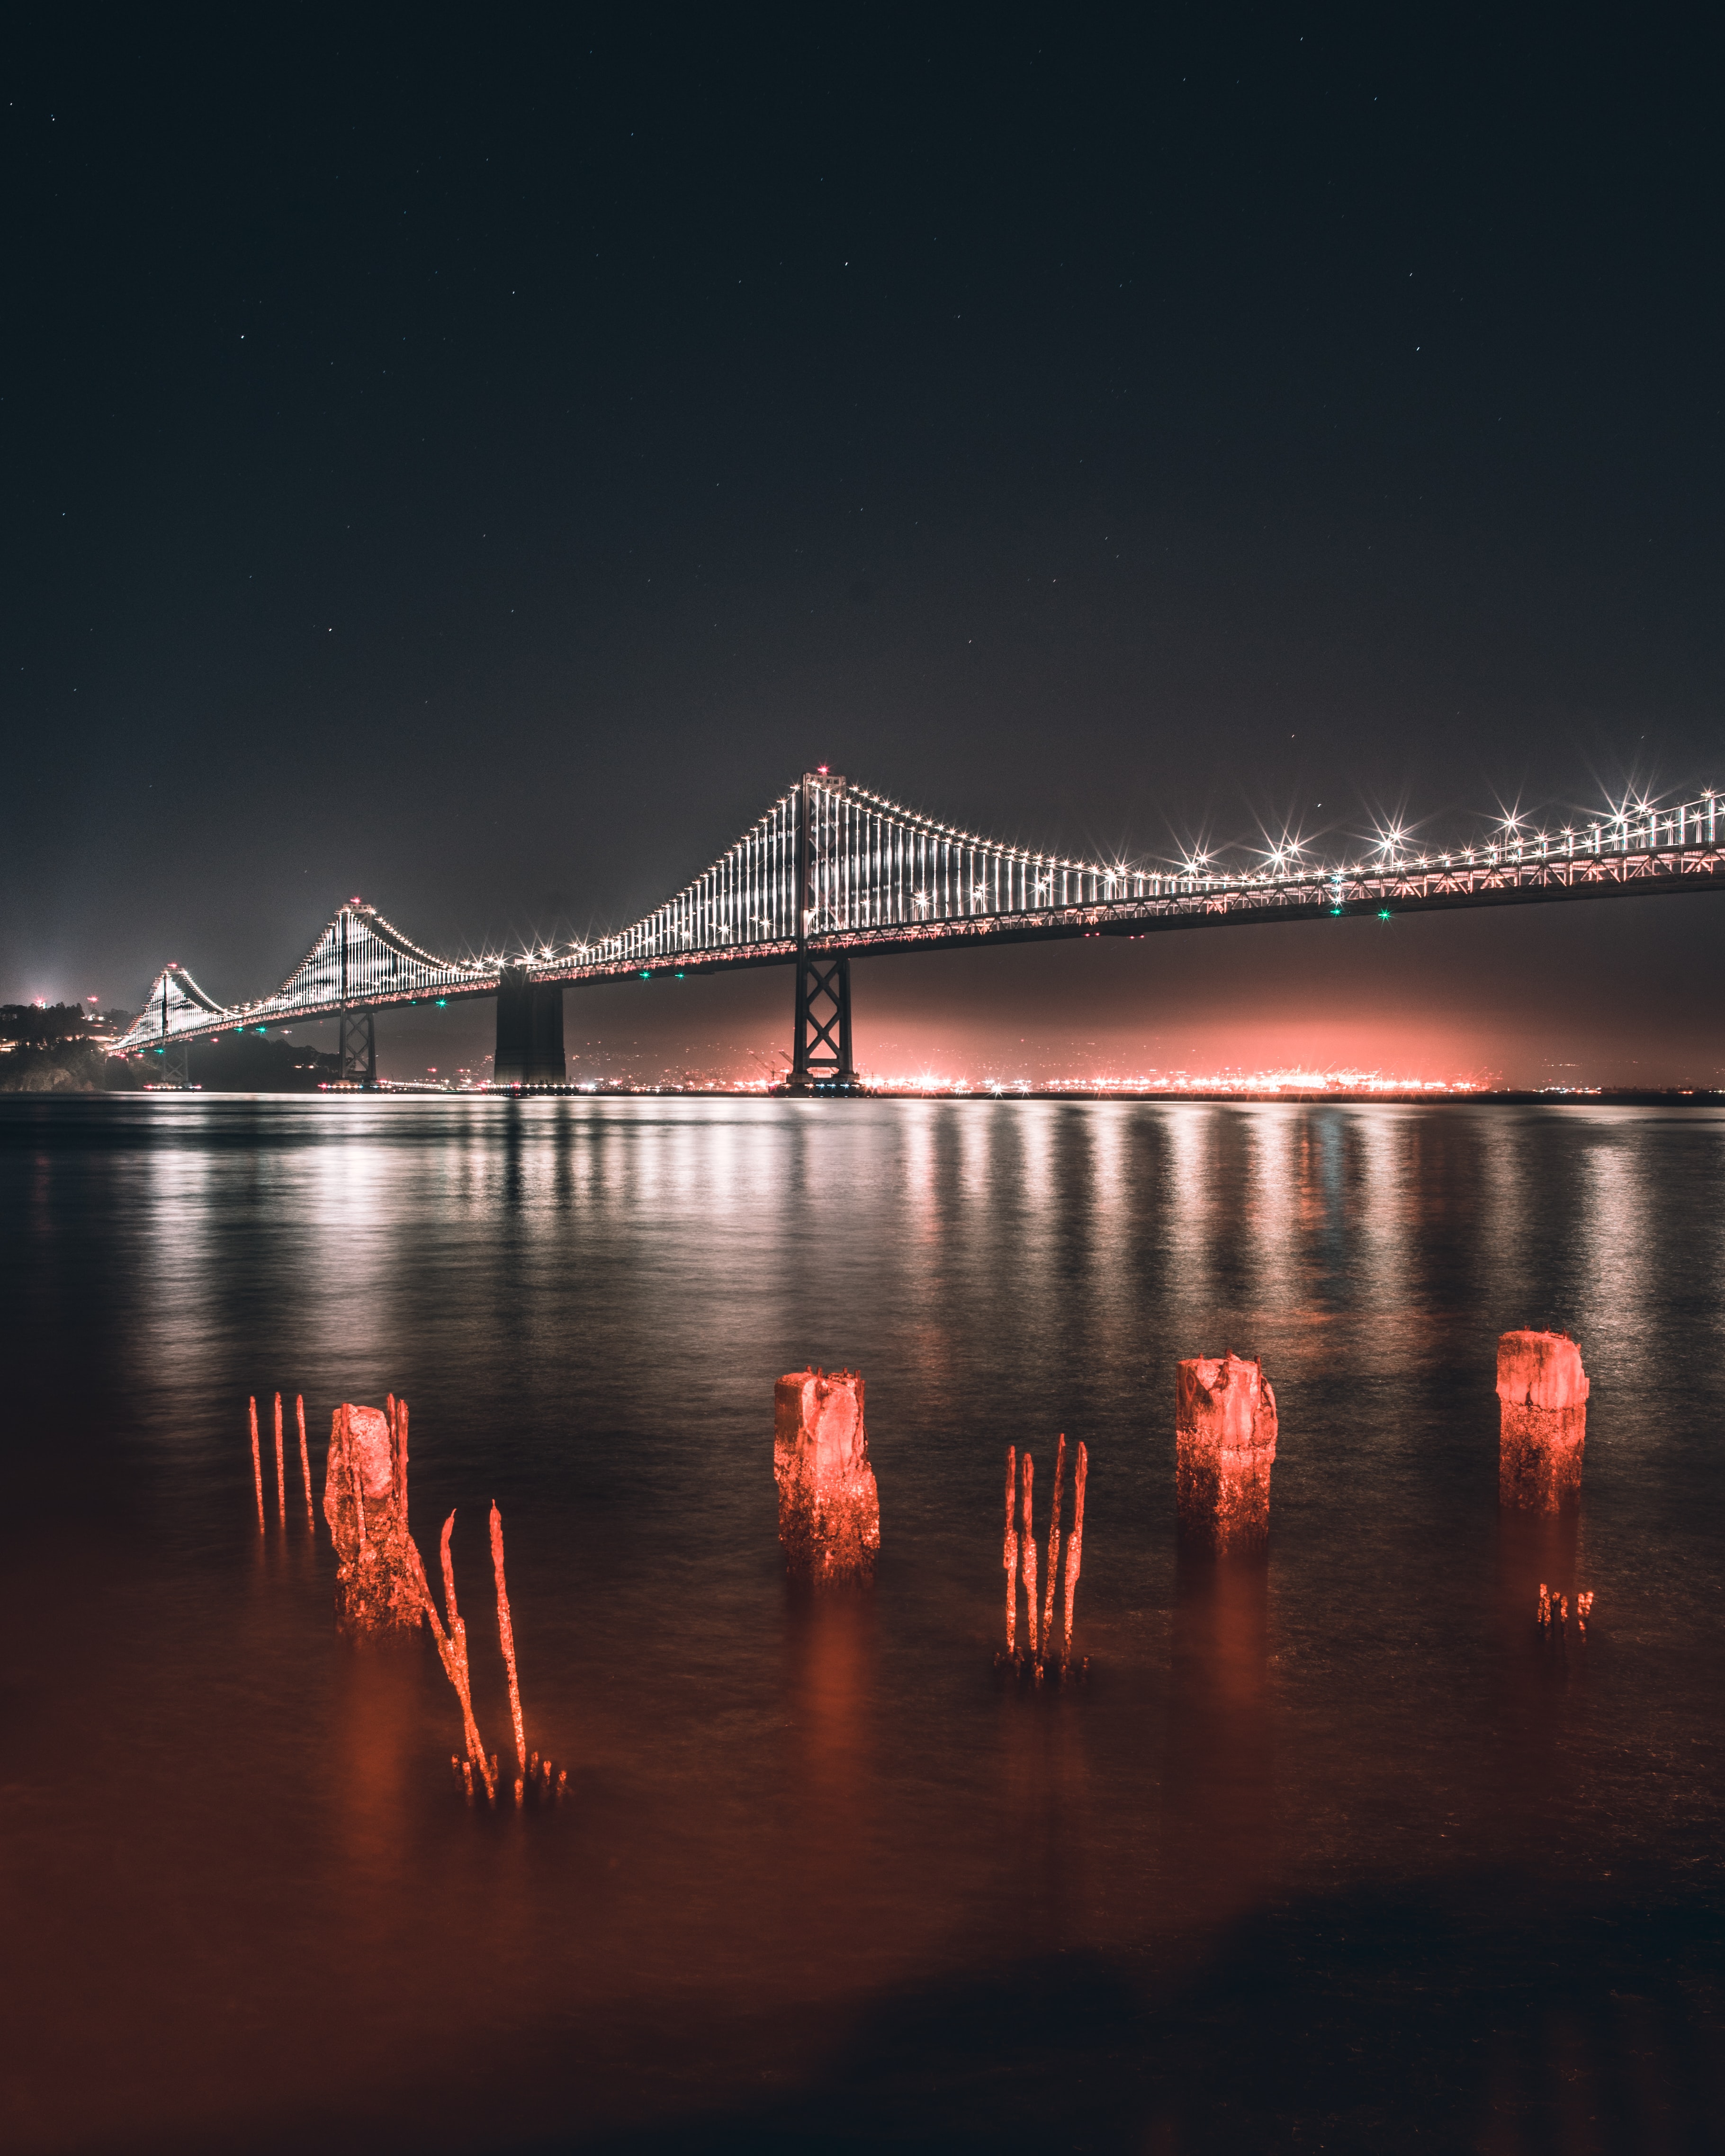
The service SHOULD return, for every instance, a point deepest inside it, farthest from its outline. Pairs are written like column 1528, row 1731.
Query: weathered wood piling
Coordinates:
column 829, row 1508
column 1542, row 1392
column 1224, row 1438
column 365, row 1501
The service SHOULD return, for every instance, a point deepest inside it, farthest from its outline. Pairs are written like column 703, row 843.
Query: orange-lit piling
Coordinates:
column 1224, row 1436
column 505, row 1632
column 1027, row 1485
column 1065, row 1560
column 365, row 1501
column 829, row 1508
column 1542, row 1392
column 1054, row 1548
column 1075, row 1547
column 304, row 1459
column 452, row 1652
column 1009, row 1550
column 257, row 1460
column 281, row 1470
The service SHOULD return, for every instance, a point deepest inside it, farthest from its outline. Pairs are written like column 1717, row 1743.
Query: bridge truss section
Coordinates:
column 1521, row 875
column 176, row 1010
column 360, row 962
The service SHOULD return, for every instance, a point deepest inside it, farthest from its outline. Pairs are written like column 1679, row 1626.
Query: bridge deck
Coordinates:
column 865, row 877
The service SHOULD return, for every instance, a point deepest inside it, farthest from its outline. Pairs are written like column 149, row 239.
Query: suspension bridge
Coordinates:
column 832, row 870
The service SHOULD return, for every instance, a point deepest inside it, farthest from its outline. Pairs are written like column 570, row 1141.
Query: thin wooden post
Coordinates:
column 1074, row 1546
column 1030, row 1552
column 1053, row 1545
column 505, row 1632
column 280, row 1471
column 304, row 1459
column 1009, row 1549
column 452, row 1652
column 257, row 1460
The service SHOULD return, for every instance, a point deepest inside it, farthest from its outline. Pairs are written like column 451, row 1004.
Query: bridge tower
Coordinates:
column 530, row 1031
column 820, row 1034
column 359, row 1049
column 356, row 1031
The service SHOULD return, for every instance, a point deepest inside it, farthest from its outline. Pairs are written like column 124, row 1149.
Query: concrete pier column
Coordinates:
column 1542, row 1392
column 530, row 1031
column 365, row 1501
column 1224, row 1433
column 829, row 1508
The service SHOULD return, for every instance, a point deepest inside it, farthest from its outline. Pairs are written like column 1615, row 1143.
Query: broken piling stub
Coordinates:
column 1224, row 1430
column 365, row 1501
column 829, row 1508
column 1541, row 1393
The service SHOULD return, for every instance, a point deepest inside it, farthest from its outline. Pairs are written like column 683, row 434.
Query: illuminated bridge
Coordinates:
column 832, row 870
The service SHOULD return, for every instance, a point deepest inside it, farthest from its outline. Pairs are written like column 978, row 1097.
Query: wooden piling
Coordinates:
column 505, row 1632
column 1009, row 1550
column 1027, row 1510
column 280, row 1471
column 1054, row 1548
column 458, row 1639
column 1542, row 1390
column 1075, row 1545
column 304, row 1459
column 257, row 1460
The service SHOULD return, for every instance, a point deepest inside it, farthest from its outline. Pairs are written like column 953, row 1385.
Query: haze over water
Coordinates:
column 817, row 1877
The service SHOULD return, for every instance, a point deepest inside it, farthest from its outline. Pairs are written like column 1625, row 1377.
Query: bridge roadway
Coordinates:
column 833, row 872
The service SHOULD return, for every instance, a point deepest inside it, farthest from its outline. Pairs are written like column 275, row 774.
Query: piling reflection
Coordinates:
column 831, row 1670
column 1222, row 1820
column 378, row 1762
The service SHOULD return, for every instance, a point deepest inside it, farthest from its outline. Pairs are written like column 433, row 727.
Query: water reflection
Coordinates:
column 587, row 1302
column 1222, row 1818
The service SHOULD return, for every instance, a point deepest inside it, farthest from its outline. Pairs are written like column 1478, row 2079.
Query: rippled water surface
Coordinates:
column 1330, row 1847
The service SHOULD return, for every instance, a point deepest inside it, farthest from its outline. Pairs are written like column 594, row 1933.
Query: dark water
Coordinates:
column 1333, row 1853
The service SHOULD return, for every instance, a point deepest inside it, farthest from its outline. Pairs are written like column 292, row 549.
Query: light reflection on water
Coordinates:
column 226, row 1836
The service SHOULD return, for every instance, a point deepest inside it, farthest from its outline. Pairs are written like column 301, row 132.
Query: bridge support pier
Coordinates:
column 359, row 1049
column 820, row 1040
column 530, row 1031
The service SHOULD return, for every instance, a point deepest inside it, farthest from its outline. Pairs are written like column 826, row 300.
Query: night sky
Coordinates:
column 478, row 462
